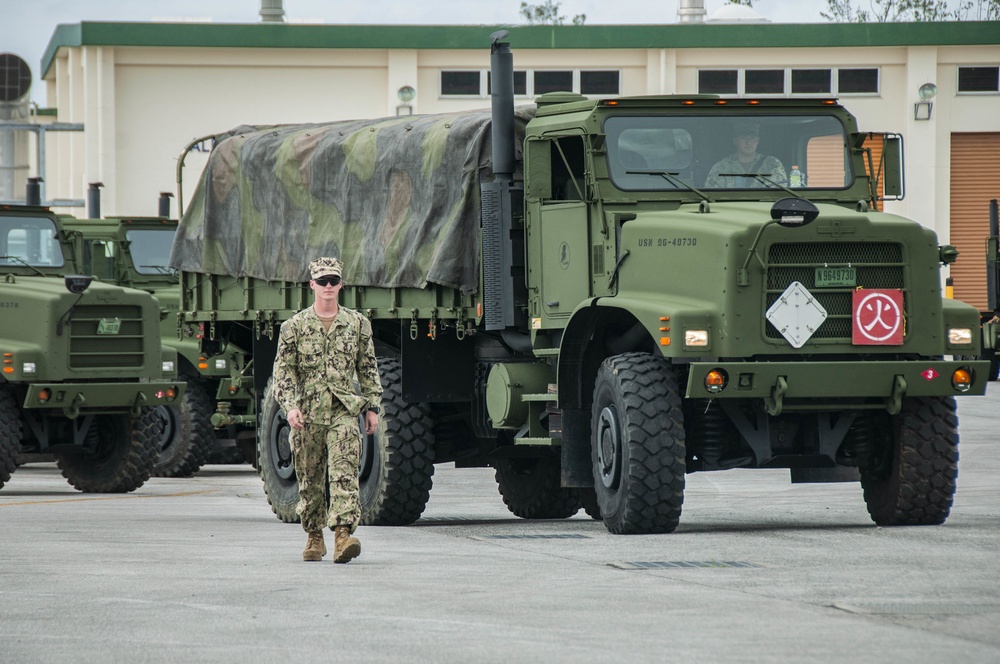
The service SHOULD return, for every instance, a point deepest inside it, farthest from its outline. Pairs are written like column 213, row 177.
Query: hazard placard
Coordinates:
column 878, row 317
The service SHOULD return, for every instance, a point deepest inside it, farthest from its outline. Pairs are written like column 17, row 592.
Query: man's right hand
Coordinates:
column 295, row 418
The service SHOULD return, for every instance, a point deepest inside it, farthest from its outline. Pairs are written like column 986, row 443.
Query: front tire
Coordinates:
column 912, row 480
column 121, row 453
column 397, row 462
column 10, row 435
column 530, row 489
column 274, row 459
column 638, row 447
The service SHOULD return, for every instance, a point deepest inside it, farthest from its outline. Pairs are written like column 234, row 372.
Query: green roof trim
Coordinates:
column 769, row 35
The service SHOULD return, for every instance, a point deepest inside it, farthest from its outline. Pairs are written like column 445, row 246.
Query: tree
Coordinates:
column 547, row 13
column 890, row 11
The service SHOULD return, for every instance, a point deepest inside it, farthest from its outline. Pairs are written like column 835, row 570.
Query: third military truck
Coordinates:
column 559, row 291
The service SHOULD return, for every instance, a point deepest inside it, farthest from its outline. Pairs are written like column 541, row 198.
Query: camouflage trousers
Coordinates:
column 328, row 455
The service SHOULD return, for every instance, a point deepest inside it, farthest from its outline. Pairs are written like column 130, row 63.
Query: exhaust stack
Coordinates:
column 94, row 200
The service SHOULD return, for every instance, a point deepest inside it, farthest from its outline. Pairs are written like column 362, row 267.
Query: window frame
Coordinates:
column 834, row 82
column 975, row 93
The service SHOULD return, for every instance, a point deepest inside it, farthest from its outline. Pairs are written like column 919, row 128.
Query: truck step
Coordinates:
column 539, row 397
column 535, row 441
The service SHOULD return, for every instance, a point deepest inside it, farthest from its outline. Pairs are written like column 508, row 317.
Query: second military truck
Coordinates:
column 559, row 292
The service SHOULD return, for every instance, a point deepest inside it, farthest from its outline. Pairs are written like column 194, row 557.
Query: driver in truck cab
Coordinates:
column 746, row 168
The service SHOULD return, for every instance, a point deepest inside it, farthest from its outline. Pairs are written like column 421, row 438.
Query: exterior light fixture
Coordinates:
column 405, row 94
column 922, row 109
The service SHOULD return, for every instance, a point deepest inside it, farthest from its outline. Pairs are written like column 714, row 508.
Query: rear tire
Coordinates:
column 188, row 435
column 638, row 449
column 122, row 457
column 274, row 459
column 10, row 435
column 397, row 462
column 911, row 479
column 530, row 489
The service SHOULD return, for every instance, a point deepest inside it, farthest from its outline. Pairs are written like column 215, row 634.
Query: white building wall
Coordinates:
column 141, row 106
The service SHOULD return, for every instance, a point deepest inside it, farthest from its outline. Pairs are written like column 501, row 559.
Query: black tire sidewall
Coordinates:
column 282, row 493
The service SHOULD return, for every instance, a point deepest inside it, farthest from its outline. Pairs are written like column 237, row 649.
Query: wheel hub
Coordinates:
column 609, row 448
column 281, row 449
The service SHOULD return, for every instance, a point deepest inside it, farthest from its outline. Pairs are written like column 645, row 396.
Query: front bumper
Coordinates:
column 74, row 398
column 833, row 382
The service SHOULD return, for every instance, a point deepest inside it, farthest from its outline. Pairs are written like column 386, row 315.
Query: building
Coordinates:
column 143, row 91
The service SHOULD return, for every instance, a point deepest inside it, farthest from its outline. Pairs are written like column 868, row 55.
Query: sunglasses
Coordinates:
column 327, row 281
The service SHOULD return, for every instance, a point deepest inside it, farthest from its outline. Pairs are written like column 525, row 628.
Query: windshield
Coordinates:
column 29, row 241
column 150, row 249
column 727, row 152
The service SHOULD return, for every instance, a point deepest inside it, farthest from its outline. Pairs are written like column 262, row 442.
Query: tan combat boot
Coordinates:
column 345, row 547
column 315, row 547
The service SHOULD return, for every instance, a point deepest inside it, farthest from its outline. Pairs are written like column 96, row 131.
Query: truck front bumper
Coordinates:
column 73, row 398
column 823, row 385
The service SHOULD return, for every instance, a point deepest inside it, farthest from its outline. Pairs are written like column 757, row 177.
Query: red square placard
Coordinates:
column 877, row 318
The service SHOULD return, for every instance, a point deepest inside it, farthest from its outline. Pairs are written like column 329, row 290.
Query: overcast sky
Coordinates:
column 26, row 26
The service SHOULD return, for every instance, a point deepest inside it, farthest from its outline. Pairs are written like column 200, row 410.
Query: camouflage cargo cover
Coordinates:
column 396, row 199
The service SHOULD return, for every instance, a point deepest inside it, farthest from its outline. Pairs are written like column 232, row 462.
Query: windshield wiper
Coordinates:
column 673, row 179
column 24, row 263
column 762, row 177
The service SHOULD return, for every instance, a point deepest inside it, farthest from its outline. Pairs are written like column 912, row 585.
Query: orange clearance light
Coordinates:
column 612, row 102
column 479, row 309
column 202, row 362
column 688, row 102
column 715, row 381
column 233, row 389
column 171, row 393
column 829, row 102
column 44, row 395
column 721, row 102
column 664, row 341
column 961, row 380
column 8, row 362
column 753, row 102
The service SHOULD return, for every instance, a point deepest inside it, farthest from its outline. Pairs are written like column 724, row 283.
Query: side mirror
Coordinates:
column 893, row 186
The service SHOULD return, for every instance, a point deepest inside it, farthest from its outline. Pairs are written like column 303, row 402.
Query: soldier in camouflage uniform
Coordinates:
column 320, row 351
column 725, row 174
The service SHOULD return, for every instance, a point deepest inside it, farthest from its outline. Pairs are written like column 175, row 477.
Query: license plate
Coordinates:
column 109, row 326
column 836, row 276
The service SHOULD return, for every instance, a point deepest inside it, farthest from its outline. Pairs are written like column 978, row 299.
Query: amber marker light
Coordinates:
column 233, row 389
column 753, row 102
column 687, row 102
column 171, row 393
column 720, row 102
column 961, row 379
column 715, row 381
column 8, row 363
column 202, row 363
column 44, row 395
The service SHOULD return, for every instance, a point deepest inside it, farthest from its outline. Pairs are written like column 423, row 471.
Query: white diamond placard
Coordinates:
column 796, row 314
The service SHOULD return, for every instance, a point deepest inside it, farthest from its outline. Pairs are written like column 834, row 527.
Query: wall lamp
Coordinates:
column 922, row 109
column 405, row 94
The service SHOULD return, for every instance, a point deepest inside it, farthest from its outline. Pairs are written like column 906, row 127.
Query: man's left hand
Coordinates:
column 371, row 423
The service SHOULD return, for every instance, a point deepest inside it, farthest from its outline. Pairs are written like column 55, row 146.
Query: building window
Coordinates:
column 857, row 81
column 979, row 79
column 520, row 83
column 461, row 83
column 553, row 81
column 764, row 81
column 531, row 83
column 718, row 82
column 604, row 82
column 789, row 82
column 810, row 81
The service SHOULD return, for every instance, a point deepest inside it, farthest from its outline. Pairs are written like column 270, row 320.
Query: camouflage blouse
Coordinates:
column 315, row 366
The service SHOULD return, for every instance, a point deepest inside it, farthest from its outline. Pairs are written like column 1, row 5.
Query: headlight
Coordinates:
column 959, row 336
column 168, row 367
column 696, row 338
column 220, row 364
column 28, row 368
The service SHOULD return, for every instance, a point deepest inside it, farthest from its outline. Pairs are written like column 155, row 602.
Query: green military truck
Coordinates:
column 133, row 252
column 83, row 367
column 557, row 293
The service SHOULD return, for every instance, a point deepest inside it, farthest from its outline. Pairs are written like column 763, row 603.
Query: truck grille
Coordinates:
column 878, row 264
column 90, row 350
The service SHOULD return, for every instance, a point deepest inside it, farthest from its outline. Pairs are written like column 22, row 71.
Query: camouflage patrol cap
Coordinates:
column 323, row 267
